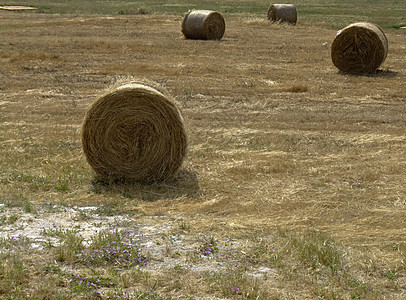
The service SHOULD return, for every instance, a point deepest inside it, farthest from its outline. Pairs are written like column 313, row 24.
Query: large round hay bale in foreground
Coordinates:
column 203, row 25
column 282, row 13
column 359, row 48
column 134, row 132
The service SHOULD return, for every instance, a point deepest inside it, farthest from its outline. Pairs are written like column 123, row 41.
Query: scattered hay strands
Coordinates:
column 203, row 25
column 359, row 48
column 16, row 7
column 134, row 132
column 282, row 13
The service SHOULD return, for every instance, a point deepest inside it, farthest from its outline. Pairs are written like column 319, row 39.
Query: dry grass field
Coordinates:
column 293, row 186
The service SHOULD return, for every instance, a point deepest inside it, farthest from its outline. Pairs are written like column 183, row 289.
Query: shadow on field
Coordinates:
column 378, row 73
column 184, row 184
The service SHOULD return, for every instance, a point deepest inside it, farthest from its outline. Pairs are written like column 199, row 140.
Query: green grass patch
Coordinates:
column 113, row 247
column 334, row 12
column 316, row 249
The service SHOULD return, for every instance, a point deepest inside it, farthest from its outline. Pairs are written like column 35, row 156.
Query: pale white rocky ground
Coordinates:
column 165, row 240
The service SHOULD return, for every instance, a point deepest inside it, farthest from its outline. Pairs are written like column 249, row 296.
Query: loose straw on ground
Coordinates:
column 359, row 48
column 17, row 7
column 134, row 132
column 282, row 13
column 203, row 25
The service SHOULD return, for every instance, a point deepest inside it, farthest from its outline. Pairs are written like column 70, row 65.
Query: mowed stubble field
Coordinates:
column 282, row 147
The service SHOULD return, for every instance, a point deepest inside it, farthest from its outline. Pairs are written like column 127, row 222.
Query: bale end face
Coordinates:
column 135, row 133
column 359, row 48
column 203, row 25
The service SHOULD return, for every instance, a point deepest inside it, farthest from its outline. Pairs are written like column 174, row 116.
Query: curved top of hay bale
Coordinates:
column 134, row 132
column 203, row 24
column 282, row 13
column 359, row 48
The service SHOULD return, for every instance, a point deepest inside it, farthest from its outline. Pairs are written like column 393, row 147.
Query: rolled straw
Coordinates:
column 203, row 24
column 134, row 132
column 359, row 48
column 282, row 13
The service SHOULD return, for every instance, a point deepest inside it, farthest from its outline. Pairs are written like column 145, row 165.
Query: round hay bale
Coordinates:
column 134, row 132
column 359, row 48
column 282, row 13
column 203, row 25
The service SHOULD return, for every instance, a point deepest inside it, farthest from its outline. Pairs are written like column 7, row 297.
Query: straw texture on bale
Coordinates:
column 282, row 13
column 359, row 48
column 203, row 25
column 134, row 132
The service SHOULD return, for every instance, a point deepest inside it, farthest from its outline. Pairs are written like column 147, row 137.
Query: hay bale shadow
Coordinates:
column 184, row 184
column 378, row 73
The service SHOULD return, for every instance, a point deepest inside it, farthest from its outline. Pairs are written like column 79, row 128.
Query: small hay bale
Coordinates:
column 203, row 25
column 359, row 48
column 282, row 13
column 134, row 132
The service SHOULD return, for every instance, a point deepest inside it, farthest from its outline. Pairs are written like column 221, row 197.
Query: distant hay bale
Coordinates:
column 359, row 48
column 203, row 25
column 282, row 13
column 134, row 132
